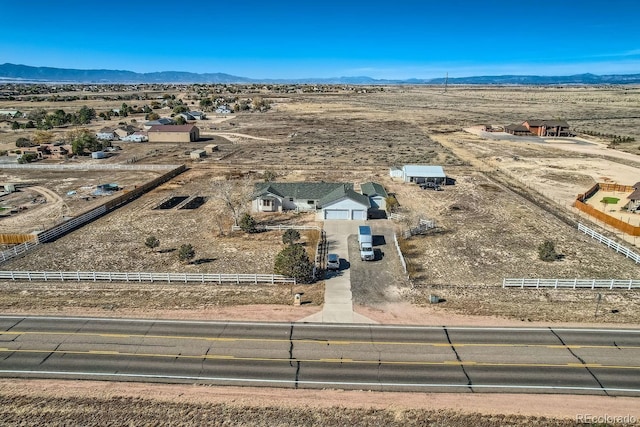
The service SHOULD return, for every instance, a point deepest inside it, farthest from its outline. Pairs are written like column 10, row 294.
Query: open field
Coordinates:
column 509, row 196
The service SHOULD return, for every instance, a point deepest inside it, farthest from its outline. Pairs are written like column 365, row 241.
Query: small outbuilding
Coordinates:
column 98, row 155
column 420, row 174
column 210, row 148
column 197, row 154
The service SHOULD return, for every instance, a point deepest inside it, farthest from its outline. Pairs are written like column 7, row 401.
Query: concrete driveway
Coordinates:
column 338, row 302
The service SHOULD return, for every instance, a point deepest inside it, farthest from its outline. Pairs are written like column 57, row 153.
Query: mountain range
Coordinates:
column 26, row 73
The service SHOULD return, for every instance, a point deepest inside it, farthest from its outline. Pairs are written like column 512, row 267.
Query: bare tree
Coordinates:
column 235, row 195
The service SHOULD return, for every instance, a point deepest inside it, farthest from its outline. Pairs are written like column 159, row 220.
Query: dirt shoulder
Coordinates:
column 97, row 403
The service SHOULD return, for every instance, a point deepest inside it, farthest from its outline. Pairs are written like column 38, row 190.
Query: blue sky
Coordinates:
column 329, row 38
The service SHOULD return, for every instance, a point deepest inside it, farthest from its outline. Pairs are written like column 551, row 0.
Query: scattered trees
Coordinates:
column 293, row 261
column 83, row 139
column 28, row 158
column 180, row 120
column 235, row 196
column 23, row 142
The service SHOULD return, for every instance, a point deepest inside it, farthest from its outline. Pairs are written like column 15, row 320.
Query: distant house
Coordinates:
column 634, row 199
column 329, row 200
column 547, row 127
column 55, row 151
column 107, row 134
column 136, row 137
column 519, row 130
column 196, row 115
column 160, row 122
column 376, row 193
column 223, row 109
column 10, row 113
column 174, row 133
column 124, row 131
column 420, row 174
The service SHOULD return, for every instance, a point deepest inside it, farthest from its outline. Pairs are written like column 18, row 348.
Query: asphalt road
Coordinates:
column 295, row 355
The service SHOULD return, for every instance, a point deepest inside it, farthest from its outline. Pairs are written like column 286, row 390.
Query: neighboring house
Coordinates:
column 634, row 199
column 136, row 137
column 423, row 173
column 174, row 133
column 519, row 130
column 376, row 193
column 124, row 131
column 223, row 109
column 160, row 122
column 197, row 115
column 107, row 134
column 10, row 113
column 330, row 200
column 54, row 151
column 548, row 127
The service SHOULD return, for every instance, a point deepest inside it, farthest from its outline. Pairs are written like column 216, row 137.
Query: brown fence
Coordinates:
column 14, row 239
column 599, row 215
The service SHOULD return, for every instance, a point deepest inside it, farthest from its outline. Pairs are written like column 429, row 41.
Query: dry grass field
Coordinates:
column 508, row 197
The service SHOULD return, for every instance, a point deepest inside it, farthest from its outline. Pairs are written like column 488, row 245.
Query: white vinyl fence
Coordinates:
column 404, row 264
column 280, row 227
column 610, row 243
column 16, row 250
column 571, row 283
column 86, row 166
column 105, row 276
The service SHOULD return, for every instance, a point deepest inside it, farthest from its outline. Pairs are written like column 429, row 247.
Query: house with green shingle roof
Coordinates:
column 330, row 200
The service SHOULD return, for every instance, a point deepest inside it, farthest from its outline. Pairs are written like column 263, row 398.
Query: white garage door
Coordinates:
column 358, row 214
column 336, row 214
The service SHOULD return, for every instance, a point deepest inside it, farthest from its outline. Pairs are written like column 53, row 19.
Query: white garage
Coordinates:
column 358, row 214
column 336, row 213
column 344, row 204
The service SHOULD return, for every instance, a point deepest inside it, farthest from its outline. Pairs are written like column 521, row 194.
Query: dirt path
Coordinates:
column 241, row 135
column 46, row 214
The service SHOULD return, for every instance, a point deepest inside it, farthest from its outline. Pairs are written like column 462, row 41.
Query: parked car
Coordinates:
column 333, row 262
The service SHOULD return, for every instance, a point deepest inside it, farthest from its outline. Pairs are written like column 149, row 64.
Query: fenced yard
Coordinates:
column 106, row 276
column 571, row 283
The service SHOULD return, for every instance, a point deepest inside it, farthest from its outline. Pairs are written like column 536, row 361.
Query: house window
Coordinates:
column 310, row 202
column 267, row 202
column 291, row 199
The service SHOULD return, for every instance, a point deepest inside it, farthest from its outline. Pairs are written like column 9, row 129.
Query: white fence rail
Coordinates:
column 61, row 229
column 404, row 264
column 396, row 216
column 106, row 276
column 610, row 243
column 281, row 227
column 16, row 250
column 571, row 283
column 84, row 166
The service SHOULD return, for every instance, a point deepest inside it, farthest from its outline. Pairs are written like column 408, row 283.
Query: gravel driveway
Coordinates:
column 379, row 281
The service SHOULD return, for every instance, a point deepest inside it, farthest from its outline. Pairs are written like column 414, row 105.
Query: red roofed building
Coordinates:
column 173, row 133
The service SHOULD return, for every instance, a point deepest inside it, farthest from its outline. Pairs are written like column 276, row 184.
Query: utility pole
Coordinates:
column 446, row 81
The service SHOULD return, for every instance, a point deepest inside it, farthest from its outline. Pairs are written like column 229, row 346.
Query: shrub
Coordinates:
column 248, row 224
column 186, row 253
column 152, row 242
column 23, row 142
column 547, row 251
